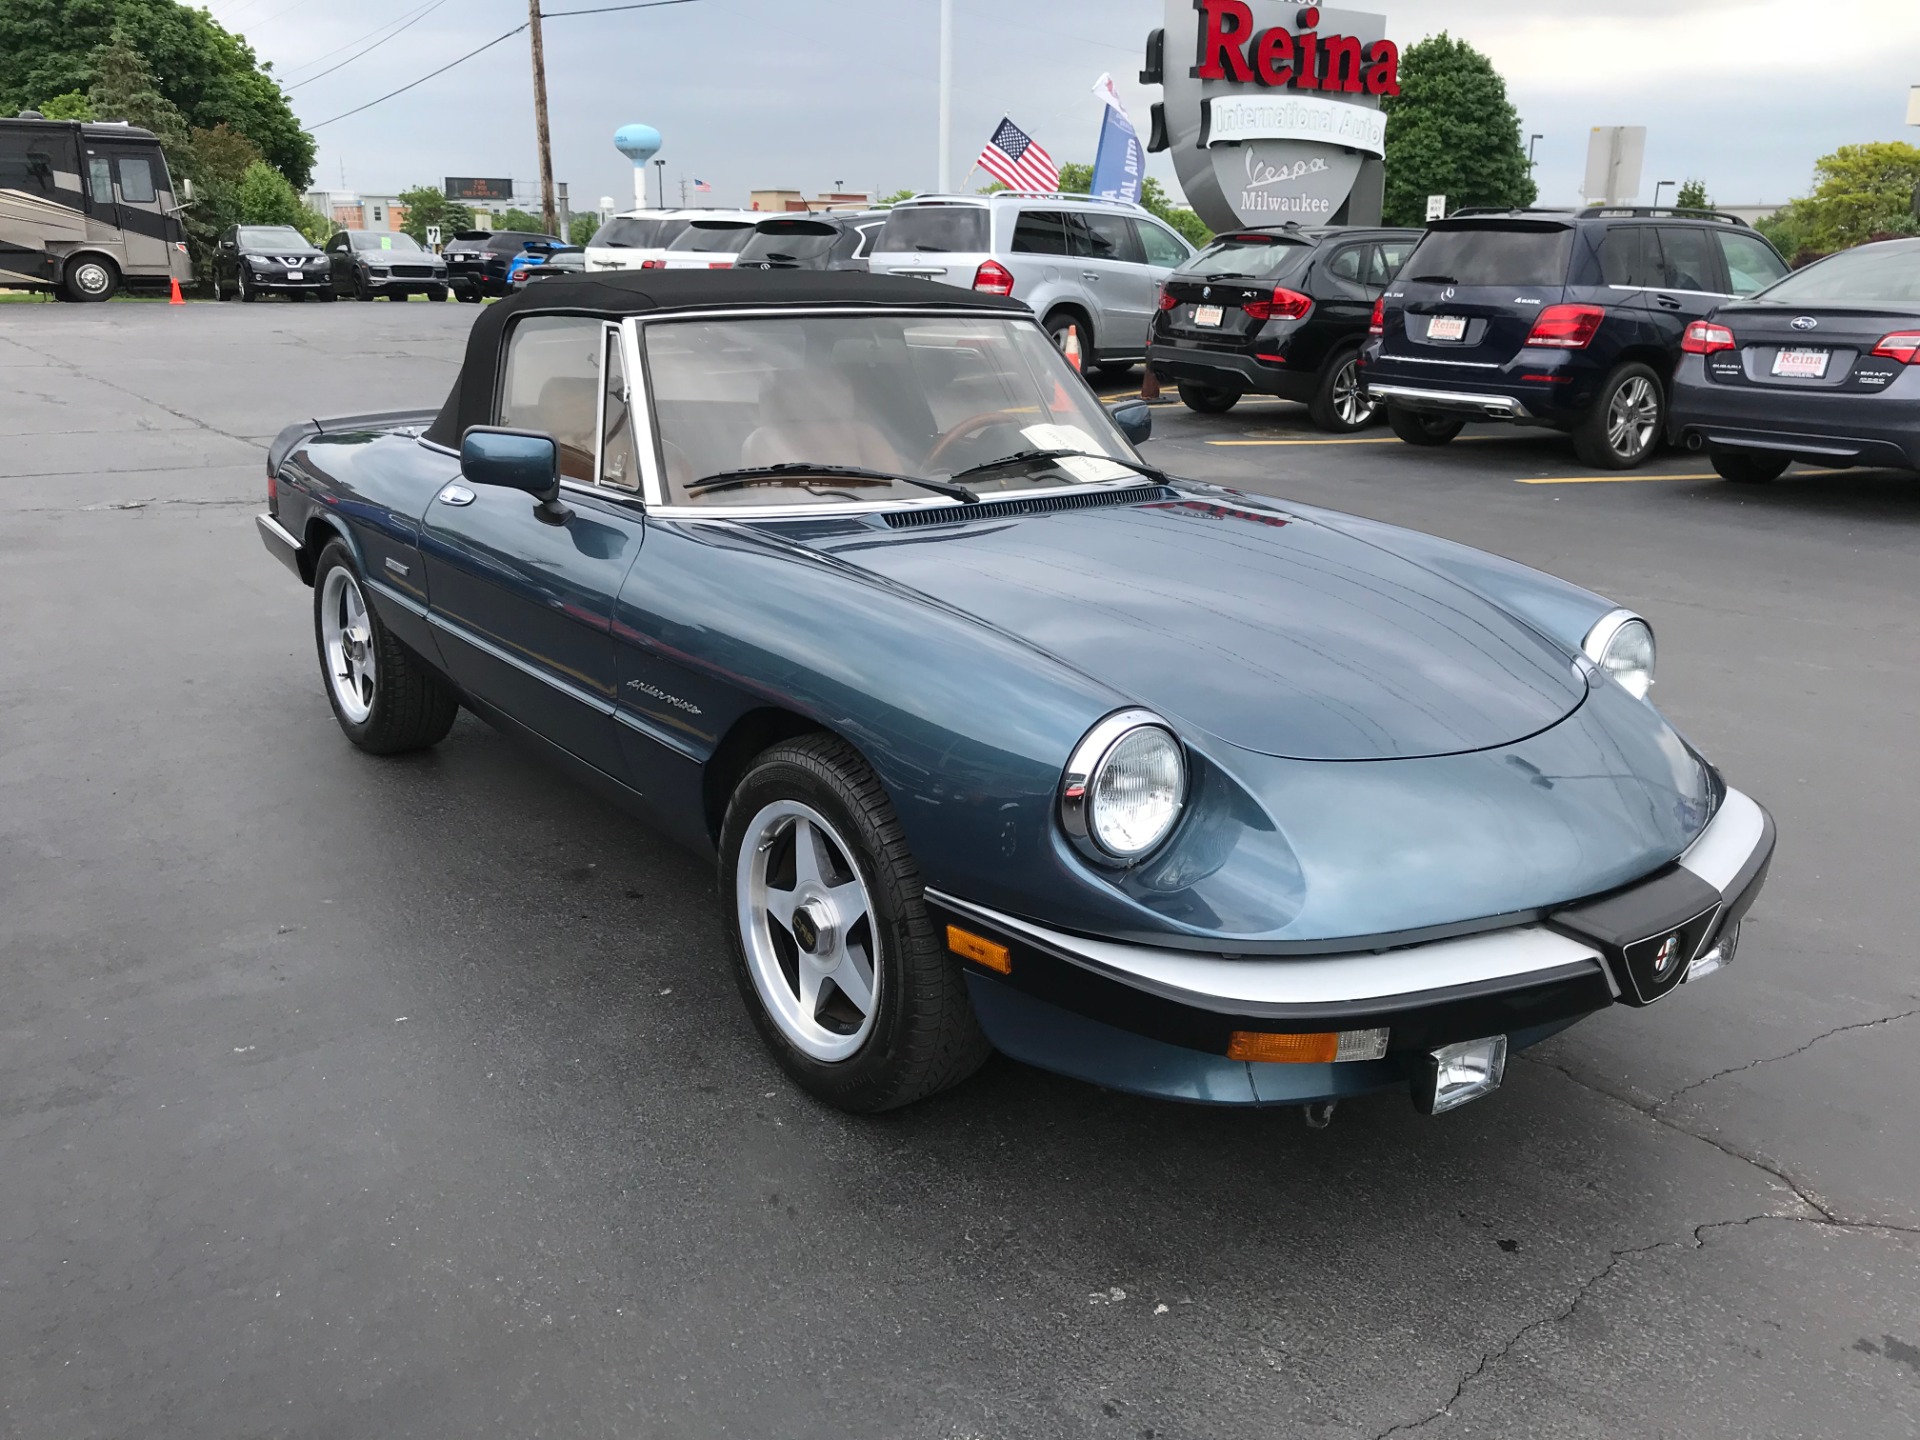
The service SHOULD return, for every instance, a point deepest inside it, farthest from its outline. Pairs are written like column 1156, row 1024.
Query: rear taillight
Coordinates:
column 1703, row 337
column 653, row 264
column 1566, row 327
column 993, row 278
column 1285, row 305
column 1167, row 302
column 1902, row 345
column 1378, row 325
column 719, row 265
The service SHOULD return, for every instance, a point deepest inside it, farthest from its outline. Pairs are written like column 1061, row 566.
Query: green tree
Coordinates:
column 124, row 88
column 515, row 219
column 582, row 228
column 895, row 198
column 1452, row 131
column 428, row 205
column 1693, row 196
column 1861, row 191
column 71, row 106
column 52, row 48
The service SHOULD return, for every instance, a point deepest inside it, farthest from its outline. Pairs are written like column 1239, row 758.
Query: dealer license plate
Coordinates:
column 1802, row 364
column 293, row 274
column 1447, row 327
column 1209, row 315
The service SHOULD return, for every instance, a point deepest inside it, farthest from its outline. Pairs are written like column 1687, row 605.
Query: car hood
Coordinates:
column 1230, row 614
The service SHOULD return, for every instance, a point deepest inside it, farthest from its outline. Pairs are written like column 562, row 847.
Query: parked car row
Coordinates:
column 251, row 261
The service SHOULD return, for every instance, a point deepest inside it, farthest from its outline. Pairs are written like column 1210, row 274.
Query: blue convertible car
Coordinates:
column 1003, row 738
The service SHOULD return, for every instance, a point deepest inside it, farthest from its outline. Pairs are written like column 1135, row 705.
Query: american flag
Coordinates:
column 700, row 187
column 1017, row 161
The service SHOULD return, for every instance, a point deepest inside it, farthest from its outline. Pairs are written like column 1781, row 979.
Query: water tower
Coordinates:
column 639, row 143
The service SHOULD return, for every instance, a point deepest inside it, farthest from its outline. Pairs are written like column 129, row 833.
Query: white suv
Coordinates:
column 1081, row 262
column 639, row 239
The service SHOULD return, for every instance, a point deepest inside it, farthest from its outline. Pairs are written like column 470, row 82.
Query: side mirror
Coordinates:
column 186, row 190
column 521, row 460
column 1135, row 419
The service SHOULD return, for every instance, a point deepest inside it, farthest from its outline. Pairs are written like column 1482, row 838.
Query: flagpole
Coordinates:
column 946, row 97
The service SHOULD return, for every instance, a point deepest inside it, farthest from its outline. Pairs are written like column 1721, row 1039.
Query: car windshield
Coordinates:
column 888, row 394
column 1871, row 275
column 1492, row 255
column 1255, row 256
column 711, row 239
column 942, row 229
column 384, row 240
column 637, row 232
column 273, row 237
column 789, row 242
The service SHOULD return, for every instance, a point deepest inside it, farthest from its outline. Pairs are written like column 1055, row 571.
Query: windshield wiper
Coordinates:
column 1434, row 280
column 1025, row 457
column 753, row 474
column 1219, row 275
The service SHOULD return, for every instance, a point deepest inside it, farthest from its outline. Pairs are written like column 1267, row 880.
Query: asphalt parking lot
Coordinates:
column 413, row 1098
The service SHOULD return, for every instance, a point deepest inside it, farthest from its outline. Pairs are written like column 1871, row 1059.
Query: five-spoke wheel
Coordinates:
column 346, row 644
column 386, row 698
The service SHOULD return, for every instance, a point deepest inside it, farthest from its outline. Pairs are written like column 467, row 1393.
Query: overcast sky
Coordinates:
column 754, row 94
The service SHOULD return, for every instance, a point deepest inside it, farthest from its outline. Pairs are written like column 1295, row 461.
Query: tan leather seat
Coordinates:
column 569, row 411
column 813, row 415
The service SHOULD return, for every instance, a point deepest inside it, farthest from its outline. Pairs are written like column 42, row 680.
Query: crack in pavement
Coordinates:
column 1493, row 1357
column 1800, row 1050
column 98, row 379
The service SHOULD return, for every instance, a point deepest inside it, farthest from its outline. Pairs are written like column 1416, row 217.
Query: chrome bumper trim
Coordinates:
column 1520, row 953
column 280, row 543
column 1496, row 407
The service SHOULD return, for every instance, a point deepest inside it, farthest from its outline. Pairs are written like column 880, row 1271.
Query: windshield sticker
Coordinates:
column 386, row 242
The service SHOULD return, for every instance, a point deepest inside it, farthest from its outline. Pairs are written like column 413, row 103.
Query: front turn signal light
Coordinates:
column 1325, row 1048
column 979, row 949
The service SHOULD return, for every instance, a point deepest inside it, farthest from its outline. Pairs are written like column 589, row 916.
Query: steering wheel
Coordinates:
column 966, row 430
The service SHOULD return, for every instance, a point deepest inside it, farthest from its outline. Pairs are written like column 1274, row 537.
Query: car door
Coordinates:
column 1690, row 281
column 1631, row 271
column 1129, row 287
column 1752, row 264
column 336, row 251
column 523, row 602
column 1343, row 297
column 226, row 257
column 1040, row 256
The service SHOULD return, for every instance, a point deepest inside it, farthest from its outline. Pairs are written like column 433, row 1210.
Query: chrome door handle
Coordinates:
column 1090, row 277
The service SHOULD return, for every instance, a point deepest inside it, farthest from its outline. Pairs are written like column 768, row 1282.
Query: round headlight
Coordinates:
column 1124, row 786
column 1622, row 645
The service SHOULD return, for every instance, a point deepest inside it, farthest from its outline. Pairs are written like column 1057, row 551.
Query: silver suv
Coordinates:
column 1081, row 262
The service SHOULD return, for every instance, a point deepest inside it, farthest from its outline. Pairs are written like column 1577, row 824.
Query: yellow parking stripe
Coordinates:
column 1369, row 440
column 1624, row 478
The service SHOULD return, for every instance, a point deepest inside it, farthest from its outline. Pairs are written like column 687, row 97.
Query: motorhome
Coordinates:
column 87, row 208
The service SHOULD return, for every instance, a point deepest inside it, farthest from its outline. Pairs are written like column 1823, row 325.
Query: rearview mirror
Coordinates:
column 511, row 459
column 1135, row 419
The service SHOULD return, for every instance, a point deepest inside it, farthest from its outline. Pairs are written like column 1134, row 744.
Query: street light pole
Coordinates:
column 946, row 96
column 1532, row 140
column 661, row 167
column 1658, row 187
column 540, row 116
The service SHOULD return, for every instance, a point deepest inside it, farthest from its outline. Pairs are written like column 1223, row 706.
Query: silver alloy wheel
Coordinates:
column 91, row 277
column 1351, row 403
column 346, row 639
column 811, row 937
column 1633, row 416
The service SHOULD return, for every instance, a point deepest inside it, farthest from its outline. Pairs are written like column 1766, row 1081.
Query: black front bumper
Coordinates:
column 1083, row 1007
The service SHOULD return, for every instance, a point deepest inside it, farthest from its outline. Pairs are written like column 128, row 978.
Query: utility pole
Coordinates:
column 540, row 116
column 946, row 96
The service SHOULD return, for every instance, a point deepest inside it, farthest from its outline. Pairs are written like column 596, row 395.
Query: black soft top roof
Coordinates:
column 618, row 294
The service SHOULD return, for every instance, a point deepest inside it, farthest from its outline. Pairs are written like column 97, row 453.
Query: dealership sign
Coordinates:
column 1272, row 108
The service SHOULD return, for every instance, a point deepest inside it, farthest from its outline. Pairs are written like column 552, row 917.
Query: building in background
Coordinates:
column 793, row 201
column 350, row 210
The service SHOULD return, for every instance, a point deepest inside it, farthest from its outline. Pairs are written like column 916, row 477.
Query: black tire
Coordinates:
column 361, row 289
column 438, row 292
column 247, row 293
column 90, row 279
column 1340, row 403
column 1058, row 324
column 1419, row 427
column 1743, row 467
column 411, row 707
column 219, row 294
column 1622, row 429
column 1207, row 401
column 923, row 1037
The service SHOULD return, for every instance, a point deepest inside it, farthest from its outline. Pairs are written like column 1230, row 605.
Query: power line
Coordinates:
column 369, row 50
column 321, row 59
column 545, row 15
column 424, row 78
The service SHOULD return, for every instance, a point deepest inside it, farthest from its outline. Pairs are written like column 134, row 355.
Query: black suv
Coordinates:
column 477, row 260
column 1563, row 318
column 1277, row 310
column 827, row 241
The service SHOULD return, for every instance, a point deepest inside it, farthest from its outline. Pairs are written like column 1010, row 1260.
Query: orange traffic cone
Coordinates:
column 176, row 298
column 1072, row 348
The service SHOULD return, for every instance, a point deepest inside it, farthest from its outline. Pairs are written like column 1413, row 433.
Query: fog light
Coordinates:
column 1455, row 1074
column 1331, row 1047
column 1720, row 956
